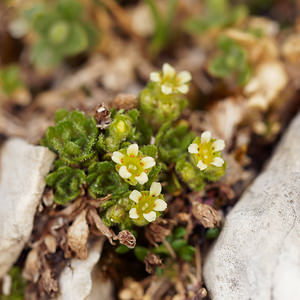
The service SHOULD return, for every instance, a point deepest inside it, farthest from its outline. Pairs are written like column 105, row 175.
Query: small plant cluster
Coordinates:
column 232, row 61
column 10, row 80
column 218, row 15
column 123, row 157
column 61, row 32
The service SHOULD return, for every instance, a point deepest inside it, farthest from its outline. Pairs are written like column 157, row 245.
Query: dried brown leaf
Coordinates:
column 157, row 231
column 206, row 215
column 32, row 265
column 127, row 238
column 95, row 219
column 152, row 261
column 78, row 234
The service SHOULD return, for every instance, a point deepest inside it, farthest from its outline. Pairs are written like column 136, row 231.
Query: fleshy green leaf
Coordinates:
column 173, row 141
column 73, row 138
column 67, row 183
column 103, row 180
column 231, row 61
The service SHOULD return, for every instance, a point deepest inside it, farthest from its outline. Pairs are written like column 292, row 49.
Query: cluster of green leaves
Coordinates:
column 67, row 182
column 231, row 61
column 73, row 138
column 84, row 153
column 62, row 31
column 17, row 287
column 218, row 14
column 164, row 25
column 176, row 240
column 126, row 127
column 158, row 108
column 172, row 141
column 10, row 79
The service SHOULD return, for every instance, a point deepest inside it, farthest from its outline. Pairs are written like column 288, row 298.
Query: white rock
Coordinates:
column 257, row 255
column 23, row 168
column 76, row 280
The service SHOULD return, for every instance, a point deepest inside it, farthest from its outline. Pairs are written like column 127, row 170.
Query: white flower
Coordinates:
column 132, row 165
column 205, row 151
column 171, row 82
column 147, row 204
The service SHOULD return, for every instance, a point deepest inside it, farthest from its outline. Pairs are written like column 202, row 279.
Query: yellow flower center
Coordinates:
column 145, row 204
column 206, row 153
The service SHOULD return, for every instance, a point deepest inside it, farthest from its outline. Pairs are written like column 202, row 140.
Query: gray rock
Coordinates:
column 257, row 255
column 22, row 171
column 79, row 280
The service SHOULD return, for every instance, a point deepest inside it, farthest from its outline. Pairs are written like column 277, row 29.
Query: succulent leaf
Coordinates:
column 103, row 180
column 73, row 137
column 232, row 61
column 172, row 141
column 67, row 183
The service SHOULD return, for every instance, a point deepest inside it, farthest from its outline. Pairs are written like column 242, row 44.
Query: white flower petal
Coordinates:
column 143, row 178
column 218, row 162
column 135, row 196
column 193, row 148
column 205, row 137
column 183, row 88
column 154, row 76
column 155, row 189
column 133, row 149
column 160, row 205
column 202, row 166
column 148, row 162
column 168, row 70
column 218, row 145
column 133, row 214
column 151, row 216
column 184, row 77
column 166, row 89
column 116, row 157
column 124, row 173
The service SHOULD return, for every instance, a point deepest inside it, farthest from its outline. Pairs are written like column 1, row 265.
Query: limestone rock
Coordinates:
column 78, row 281
column 23, row 169
column 257, row 255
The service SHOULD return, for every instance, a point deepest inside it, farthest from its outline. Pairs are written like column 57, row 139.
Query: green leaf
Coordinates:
column 179, row 232
column 231, row 62
column 218, row 15
column 67, row 183
column 172, row 142
column 122, row 249
column 191, row 175
column 103, row 180
column 69, row 9
column 76, row 42
column 187, row 253
column 149, row 150
column 140, row 252
column 10, row 79
column 73, row 138
column 212, row 233
column 178, row 244
column 161, row 250
column 44, row 56
column 18, row 285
